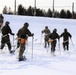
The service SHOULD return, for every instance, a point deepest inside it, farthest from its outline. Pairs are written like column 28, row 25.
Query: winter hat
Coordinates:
column 65, row 30
column 46, row 27
column 26, row 24
column 7, row 22
column 55, row 30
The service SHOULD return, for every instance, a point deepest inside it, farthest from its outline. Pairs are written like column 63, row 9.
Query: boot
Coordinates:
column 12, row 51
column 22, row 59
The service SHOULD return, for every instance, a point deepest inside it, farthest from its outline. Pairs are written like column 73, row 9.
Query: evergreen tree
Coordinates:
column 56, row 14
column 39, row 12
column 49, row 13
column 30, row 11
column 69, row 15
column 20, row 10
column 5, row 10
column 25, row 12
column 63, row 14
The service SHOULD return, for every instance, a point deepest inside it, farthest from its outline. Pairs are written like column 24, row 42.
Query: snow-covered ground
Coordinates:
column 42, row 63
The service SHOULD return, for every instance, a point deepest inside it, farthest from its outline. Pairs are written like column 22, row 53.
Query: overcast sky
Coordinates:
column 43, row 4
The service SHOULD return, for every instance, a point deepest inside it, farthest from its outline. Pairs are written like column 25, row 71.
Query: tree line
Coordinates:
column 40, row 12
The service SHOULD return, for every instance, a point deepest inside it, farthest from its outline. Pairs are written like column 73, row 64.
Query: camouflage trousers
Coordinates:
column 21, row 51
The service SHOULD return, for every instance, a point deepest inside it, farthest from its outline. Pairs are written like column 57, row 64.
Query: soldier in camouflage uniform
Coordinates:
column 46, row 32
column 6, row 30
column 22, row 38
column 53, row 36
column 66, row 35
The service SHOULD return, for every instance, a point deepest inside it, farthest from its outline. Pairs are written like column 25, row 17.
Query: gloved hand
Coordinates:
column 70, row 37
column 13, row 34
column 42, row 32
column 32, row 34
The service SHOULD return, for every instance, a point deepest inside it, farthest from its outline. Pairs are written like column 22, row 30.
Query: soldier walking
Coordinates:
column 22, row 38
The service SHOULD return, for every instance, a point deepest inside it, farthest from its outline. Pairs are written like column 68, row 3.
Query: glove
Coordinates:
column 13, row 34
column 42, row 32
column 70, row 37
column 32, row 34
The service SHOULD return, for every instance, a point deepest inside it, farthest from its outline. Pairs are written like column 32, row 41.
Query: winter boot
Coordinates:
column 12, row 52
column 22, row 59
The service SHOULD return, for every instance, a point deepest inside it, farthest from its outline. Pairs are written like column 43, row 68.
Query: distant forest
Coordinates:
column 30, row 11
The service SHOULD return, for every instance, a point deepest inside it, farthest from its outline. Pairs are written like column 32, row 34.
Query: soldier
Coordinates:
column 6, row 30
column 46, row 36
column 53, row 36
column 66, row 35
column 22, row 38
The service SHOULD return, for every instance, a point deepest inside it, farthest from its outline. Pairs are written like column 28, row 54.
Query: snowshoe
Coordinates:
column 22, row 59
column 12, row 52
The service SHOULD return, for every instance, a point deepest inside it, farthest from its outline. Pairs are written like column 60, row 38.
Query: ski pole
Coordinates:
column 13, row 43
column 41, row 39
column 59, row 46
column 27, row 44
column 47, row 45
column 72, row 43
column 32, row 47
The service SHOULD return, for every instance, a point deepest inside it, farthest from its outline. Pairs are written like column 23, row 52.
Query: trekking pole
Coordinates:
column 59, row 46
column 27, row 45
column 32, row 47
column 13, row 44
column 41, row 39
column 47, row 46
column 72, row 43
